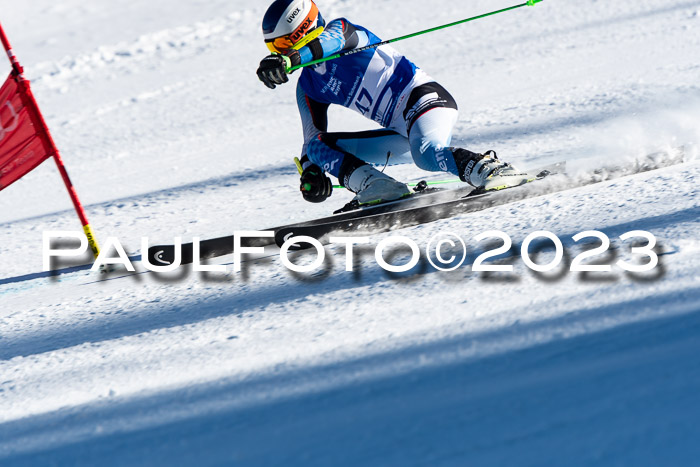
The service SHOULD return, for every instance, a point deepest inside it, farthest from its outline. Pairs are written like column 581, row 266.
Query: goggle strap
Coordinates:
column 308, row 38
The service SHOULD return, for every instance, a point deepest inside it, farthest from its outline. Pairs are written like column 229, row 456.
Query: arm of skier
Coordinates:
column 339, row 36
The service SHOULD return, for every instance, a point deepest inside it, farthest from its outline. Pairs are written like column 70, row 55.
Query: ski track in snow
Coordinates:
column 167, row 132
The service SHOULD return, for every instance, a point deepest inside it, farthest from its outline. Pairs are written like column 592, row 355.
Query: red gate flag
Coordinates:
column 25, row 140
column 22, row 146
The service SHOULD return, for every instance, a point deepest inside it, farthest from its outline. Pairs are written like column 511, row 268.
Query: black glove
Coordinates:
column 315, row 186
column 273, row 68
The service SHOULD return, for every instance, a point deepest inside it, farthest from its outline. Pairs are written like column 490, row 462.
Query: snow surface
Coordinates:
column 167, row 132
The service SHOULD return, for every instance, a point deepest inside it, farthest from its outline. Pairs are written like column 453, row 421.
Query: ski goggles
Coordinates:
column 309, row 29
column 280, row 44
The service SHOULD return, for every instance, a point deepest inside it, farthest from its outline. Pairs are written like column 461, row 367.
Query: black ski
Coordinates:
column 417, row 209
column 411, row 216
column 163, row 255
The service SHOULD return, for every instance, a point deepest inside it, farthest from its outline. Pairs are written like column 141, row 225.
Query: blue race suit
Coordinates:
column 382, row 85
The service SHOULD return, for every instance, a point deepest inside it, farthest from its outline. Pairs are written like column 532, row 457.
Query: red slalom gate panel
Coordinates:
column 22, row 145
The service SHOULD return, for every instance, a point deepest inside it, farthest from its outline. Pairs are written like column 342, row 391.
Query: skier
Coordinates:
column 417, row 114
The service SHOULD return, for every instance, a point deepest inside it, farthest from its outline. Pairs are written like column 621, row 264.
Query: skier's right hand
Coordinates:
column 273, row 68
column 315, row 186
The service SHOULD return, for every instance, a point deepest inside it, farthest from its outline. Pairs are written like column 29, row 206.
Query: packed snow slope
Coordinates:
column 166, row 132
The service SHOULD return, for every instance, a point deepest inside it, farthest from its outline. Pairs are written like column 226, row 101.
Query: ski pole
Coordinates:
column 379, row 44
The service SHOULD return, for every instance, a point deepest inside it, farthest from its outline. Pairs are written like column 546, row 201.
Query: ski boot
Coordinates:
column 486, row 172
column 373, row 187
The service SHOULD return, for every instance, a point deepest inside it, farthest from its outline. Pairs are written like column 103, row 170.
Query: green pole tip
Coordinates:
column 307, row 187
column 533, row 2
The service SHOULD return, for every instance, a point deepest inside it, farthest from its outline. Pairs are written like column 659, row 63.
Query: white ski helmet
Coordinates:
column 291, row 24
